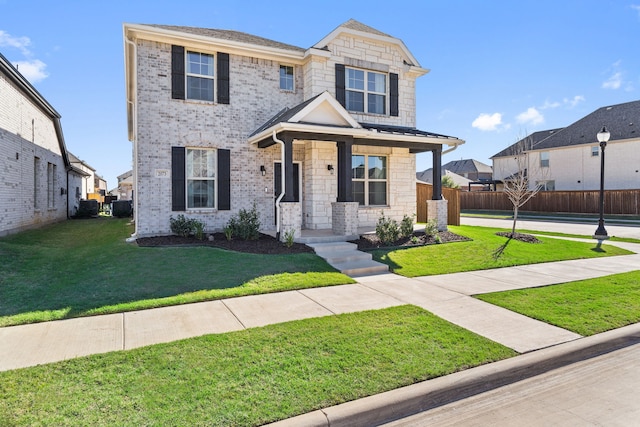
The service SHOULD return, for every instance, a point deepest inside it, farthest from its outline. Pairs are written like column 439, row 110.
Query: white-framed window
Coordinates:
column 546, row 185
column 201, row 175
column 369, row 179
column 544, row 159
column 199, row 76
column 595, row 151
column 286, row 77
column 366, row 91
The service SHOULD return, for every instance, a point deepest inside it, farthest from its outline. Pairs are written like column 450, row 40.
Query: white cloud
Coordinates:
column 34, row 70
column 531, row 116
column 21, row 43
column 574, row 101
column 487, row 122
column 548, row 104
column 613, row 82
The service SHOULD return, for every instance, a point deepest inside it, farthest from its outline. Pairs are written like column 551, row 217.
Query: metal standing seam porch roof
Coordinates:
column 414, row 139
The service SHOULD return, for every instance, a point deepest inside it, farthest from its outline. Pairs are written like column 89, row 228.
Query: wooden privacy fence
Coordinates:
column 424, row 192
column 616, row 202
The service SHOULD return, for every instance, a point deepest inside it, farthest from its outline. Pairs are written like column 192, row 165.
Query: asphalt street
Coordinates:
column 602, row 391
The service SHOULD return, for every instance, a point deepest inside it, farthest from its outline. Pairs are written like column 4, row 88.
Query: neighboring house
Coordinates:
column 471, row 169
column 89, row 181
column 36, row 172
column 427, row 176
column 100, row 185
column 124, row 190
column 569, row 158
column 319, row 138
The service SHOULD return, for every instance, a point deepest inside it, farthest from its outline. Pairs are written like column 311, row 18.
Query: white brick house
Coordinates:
column 568, row 159
column 35, row 170
column 220, row 119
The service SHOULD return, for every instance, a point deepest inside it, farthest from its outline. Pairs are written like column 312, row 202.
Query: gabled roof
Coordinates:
column 427, row 176
column 525, row 144
column 621, row 120
column 74, row 159
column 323, row 115
column 230, row 35
column 359, row 29
column 467, row 166
column 30, row 92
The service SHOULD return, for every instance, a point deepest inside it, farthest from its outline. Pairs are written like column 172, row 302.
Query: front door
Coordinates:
column 277, row 182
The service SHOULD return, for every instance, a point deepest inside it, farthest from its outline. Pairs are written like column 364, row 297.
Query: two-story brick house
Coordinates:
column 35, row 169
column 322, row 138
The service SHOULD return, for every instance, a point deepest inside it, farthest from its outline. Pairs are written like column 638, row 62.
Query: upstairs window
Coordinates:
column 199, row 76
column 286, row 77
column 366, row 91
column 544, row 159
column 595, row 151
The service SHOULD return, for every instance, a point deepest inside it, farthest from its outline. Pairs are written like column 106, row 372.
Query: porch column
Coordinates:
column 437, row 174
column 345, row 192
column 287, row 164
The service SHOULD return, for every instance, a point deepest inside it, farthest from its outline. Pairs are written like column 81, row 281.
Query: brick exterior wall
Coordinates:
column 255, row 97
column 26, row 133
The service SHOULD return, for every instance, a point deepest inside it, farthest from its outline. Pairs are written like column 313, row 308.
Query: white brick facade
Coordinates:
column 32, row 168
column 161, row 123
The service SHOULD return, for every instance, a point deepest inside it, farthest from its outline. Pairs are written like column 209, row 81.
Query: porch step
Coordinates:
column 325, row 238
column 346, row 258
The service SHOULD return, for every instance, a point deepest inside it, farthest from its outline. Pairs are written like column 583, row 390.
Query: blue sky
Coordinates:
column 500, row 69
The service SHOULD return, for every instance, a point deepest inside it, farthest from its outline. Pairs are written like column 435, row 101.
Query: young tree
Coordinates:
column 518, row 185
column 447, row 182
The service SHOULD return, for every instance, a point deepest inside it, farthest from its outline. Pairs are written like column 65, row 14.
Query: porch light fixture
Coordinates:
column 263, row 170
column 603, row 137
column 330, row 168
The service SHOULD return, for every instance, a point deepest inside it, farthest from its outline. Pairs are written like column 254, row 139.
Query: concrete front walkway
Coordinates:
column 447, row 296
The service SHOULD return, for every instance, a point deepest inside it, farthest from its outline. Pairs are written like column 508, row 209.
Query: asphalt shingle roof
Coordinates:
column 621, row 120
column 527, row 143
column 467, row 166
column 230, row 35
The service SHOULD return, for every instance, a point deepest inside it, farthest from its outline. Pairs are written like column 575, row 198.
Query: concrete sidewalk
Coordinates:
column 448, row 296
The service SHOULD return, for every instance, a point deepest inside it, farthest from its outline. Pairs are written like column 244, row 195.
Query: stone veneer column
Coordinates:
column 290, row 219
column 437, row 209
column 344, row 218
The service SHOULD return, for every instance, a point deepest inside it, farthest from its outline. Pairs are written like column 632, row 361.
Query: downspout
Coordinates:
column 134, row 134
column 275, row 138
column 449, row 149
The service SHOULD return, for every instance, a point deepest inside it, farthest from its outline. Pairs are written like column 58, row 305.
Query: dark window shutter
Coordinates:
column 340, row 87
column 393, row 94
column 224, row 180
column 223, row 78
column 177, row 72
column 178, row 179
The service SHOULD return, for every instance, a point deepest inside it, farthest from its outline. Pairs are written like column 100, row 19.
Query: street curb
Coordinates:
column 403, row 402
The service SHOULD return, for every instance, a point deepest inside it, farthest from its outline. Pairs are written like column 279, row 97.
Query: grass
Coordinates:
column 85, row 267
column 578, row 236
column 478, row 253
column 585, row 307
column 246, row 378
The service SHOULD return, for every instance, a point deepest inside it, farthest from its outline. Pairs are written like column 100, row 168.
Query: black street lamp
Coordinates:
column 603, row 137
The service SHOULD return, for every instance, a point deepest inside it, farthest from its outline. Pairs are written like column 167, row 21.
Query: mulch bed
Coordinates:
column 521, row 237
column 269, row 245
column 419, row 238
column 264, row 245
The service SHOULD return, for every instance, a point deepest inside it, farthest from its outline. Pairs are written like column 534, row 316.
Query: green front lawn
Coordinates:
column 478, row 253
column 85, row 267
column 585, row 307
column 246, row 378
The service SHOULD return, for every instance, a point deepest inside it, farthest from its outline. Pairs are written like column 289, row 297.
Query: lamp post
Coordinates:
column 603, row 137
